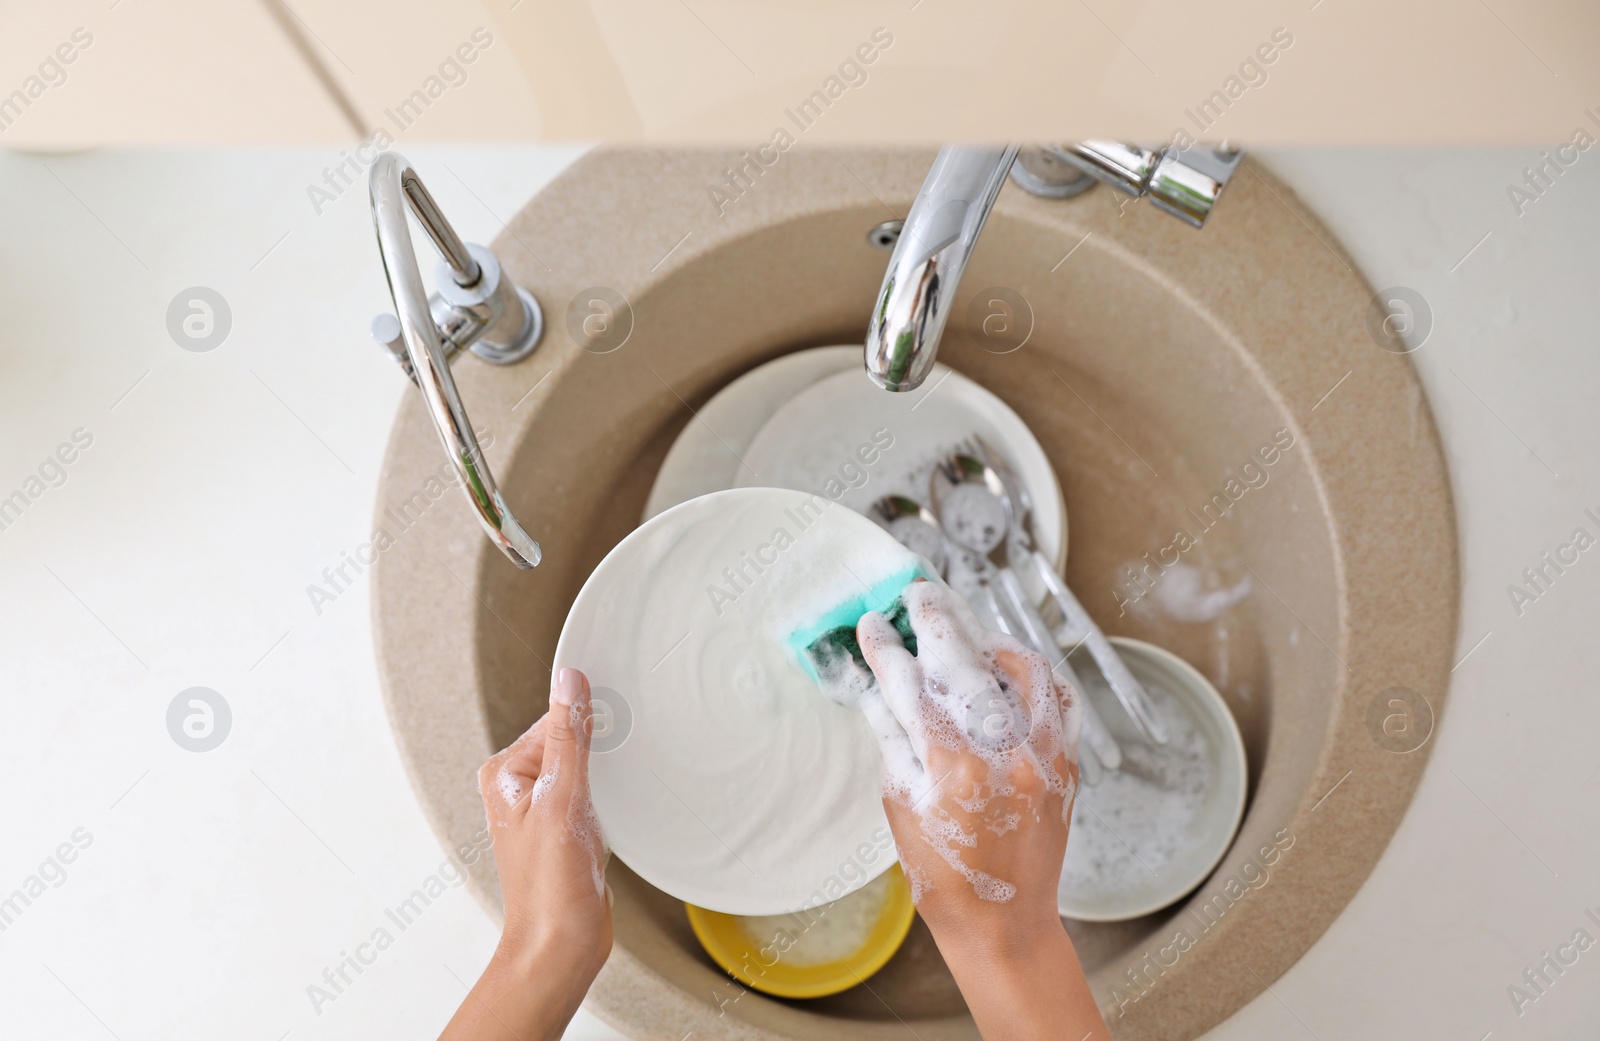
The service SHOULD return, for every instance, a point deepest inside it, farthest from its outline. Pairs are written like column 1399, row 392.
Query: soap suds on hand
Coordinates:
column 546, row 781
column 509, row 784
column 954, row 696
column 583, row 827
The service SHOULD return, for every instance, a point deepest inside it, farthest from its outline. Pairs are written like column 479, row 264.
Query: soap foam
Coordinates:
column 509, row 784
column 1183, row 594
column 583, row 827
column 955, row 696
column 546, row 781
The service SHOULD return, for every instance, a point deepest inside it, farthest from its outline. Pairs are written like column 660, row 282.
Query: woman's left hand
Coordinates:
column 551, row 858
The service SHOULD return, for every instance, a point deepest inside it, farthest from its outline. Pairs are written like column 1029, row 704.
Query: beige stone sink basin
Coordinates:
column 1162, row 362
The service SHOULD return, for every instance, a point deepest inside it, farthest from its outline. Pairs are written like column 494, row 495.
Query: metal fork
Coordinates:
column 1079, row 625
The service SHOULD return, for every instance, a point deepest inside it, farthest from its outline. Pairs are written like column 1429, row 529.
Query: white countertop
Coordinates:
column 208, row 891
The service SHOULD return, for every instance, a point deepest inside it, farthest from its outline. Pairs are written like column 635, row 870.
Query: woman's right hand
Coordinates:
column 980, row 813
column 979, row 749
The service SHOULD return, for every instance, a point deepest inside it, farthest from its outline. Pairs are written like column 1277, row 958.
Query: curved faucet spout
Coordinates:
column 937, row 237
column 932, row 252
column 474, row 309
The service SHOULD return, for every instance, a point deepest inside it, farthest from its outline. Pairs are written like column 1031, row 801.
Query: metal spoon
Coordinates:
column 914, row 526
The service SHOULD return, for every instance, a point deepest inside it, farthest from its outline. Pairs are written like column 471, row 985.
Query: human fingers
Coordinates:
column 940, row 618
column 956, row 606
column 566, row 744
column 507, row 775
column 902, row 771
column 1068, row 702
column 898, row 674
column 1030, row 674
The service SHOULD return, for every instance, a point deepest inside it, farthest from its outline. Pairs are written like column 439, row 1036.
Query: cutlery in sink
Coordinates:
column 1012, row 501
column 975, row 510
column 918, row 528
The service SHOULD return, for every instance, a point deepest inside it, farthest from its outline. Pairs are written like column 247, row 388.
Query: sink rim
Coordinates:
column 632, row 994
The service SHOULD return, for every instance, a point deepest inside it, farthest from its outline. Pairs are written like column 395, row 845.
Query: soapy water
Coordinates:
column 1183, row 595
column 919, row 536
column 823, row 934
column 1139, row 820
column 953, row 696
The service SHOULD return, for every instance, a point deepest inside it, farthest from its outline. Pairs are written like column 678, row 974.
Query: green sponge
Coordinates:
column 825, row 645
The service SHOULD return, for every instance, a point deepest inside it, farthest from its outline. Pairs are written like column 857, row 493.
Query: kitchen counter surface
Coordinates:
column 220, row 892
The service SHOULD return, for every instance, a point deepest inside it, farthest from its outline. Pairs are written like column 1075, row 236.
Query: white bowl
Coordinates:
column 1144, row 838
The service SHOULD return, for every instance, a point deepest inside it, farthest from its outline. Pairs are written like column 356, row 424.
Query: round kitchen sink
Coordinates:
column 1253, row 483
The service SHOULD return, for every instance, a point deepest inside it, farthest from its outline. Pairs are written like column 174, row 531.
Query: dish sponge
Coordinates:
column 825, row 646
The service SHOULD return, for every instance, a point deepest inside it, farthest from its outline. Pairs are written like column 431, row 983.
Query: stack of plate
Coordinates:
column 812, row 421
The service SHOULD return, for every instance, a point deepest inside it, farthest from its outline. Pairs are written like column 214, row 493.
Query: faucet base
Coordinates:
column 1043, row 172
column 523, row 343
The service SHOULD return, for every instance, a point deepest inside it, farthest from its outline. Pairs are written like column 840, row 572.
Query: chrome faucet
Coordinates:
column 474, row 308
column 938, row 235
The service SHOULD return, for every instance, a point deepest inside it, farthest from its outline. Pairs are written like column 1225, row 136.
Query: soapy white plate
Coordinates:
column 720, row 772
column 714, row 450
column 1180, row 806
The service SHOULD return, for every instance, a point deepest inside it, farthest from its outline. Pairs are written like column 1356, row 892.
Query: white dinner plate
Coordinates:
column 705, row 457
column 712, row 451
column 821, row 438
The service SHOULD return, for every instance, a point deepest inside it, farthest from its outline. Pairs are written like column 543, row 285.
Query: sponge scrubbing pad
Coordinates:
column 824, row 646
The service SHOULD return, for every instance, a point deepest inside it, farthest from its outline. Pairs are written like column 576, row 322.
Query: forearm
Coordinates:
column 1026, row 984
column 521, row 996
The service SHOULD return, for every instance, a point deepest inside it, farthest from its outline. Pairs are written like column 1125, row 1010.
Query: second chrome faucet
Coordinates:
column 942, row 228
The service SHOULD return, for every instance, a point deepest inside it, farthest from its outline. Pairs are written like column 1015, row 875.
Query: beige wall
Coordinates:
column 189, row 71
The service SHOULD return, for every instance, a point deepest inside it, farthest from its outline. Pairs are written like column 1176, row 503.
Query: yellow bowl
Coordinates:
column 763, row 967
